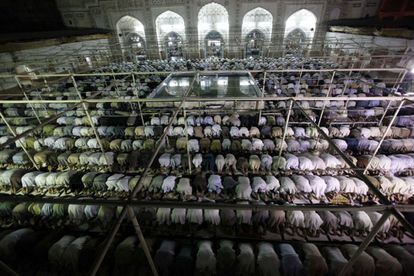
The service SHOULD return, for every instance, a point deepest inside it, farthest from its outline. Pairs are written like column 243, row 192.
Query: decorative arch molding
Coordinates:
column 258, row 19
column 304, row 21
column 168, row 22
column 129, row 24
column 173, row 44
column 212, row 17
column 131, row 36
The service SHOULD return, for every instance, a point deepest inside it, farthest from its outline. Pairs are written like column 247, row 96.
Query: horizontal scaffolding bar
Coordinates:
column 210, row 72
column 224, row 99
column 200, row 205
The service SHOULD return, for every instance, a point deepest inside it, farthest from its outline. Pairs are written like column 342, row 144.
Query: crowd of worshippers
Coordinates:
column 164, row 220
column 217, row 145
column 306, row 185
column 207, row 64
column 281, row 83
column 53, row 253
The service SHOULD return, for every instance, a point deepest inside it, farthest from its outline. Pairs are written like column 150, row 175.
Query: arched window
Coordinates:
column 304, row 21
column 254, row 43
column 173, row 44
column 170, row 33
column 214, row 44
column 213, row 17
column 295, row 41
column 131, row 36
column 257, row 26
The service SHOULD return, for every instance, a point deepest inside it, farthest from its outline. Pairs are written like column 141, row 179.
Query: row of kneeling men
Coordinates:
column 74, row 254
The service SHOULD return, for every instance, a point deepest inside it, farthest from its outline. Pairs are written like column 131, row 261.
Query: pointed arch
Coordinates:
column 128, row 24
column 131, row 35
column 212, row 17
column 173, row 43
column 166, row 23
column 254, row 43
column 302, row 19
column 258, row 19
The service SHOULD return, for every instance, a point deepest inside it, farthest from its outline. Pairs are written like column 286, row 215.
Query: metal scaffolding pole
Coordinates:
column 263, row 92
column 186, row 138
column 197, row 99
column 395, row 88
column 264, row 83
column 374, row 231
column 327, row 96
column 142, row 240
column 395, row 69
column 383, row 136
column 139, row 104
column 27, row 98
column 123, row 213
column 383, row 199
column 197, row 205
column 50, row 120
column 19, row 141
column 85, row 108
column 346, row 84
column 48, row 89
column 284, row 132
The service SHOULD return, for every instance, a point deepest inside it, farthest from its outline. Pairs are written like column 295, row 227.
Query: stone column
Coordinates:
column 152, row 49
column 191, row 30
column 276, row 45
column 234, row 47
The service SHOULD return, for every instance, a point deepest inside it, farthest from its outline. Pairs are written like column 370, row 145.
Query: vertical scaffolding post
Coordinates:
column 394, row 89
column 383, row 136
column 19, row 141
column 139, row 104
column 346, row 84
column 186, row 137
column 85, row 108
column 263, row 91
column 264, row 83
column 27, row 98
column 397, row 214
column 116, row 83
column 48, row 89
column 365, row 243
column 133, row 194
column 301, row 73
column 124, row 211
column 142, row 240
column 284, row 131
column 327, row 95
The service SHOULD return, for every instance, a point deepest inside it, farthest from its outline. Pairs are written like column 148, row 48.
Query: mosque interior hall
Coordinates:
column 199, row 137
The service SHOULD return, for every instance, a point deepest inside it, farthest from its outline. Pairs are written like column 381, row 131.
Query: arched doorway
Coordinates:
column 131, row 35
column 257, row 31
column 214, row 44
column 295, row 41
column 170, row 34
column 300, row 27
column 136, row 44
column 173, row 44
column 213, row 29
column 254, row 43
